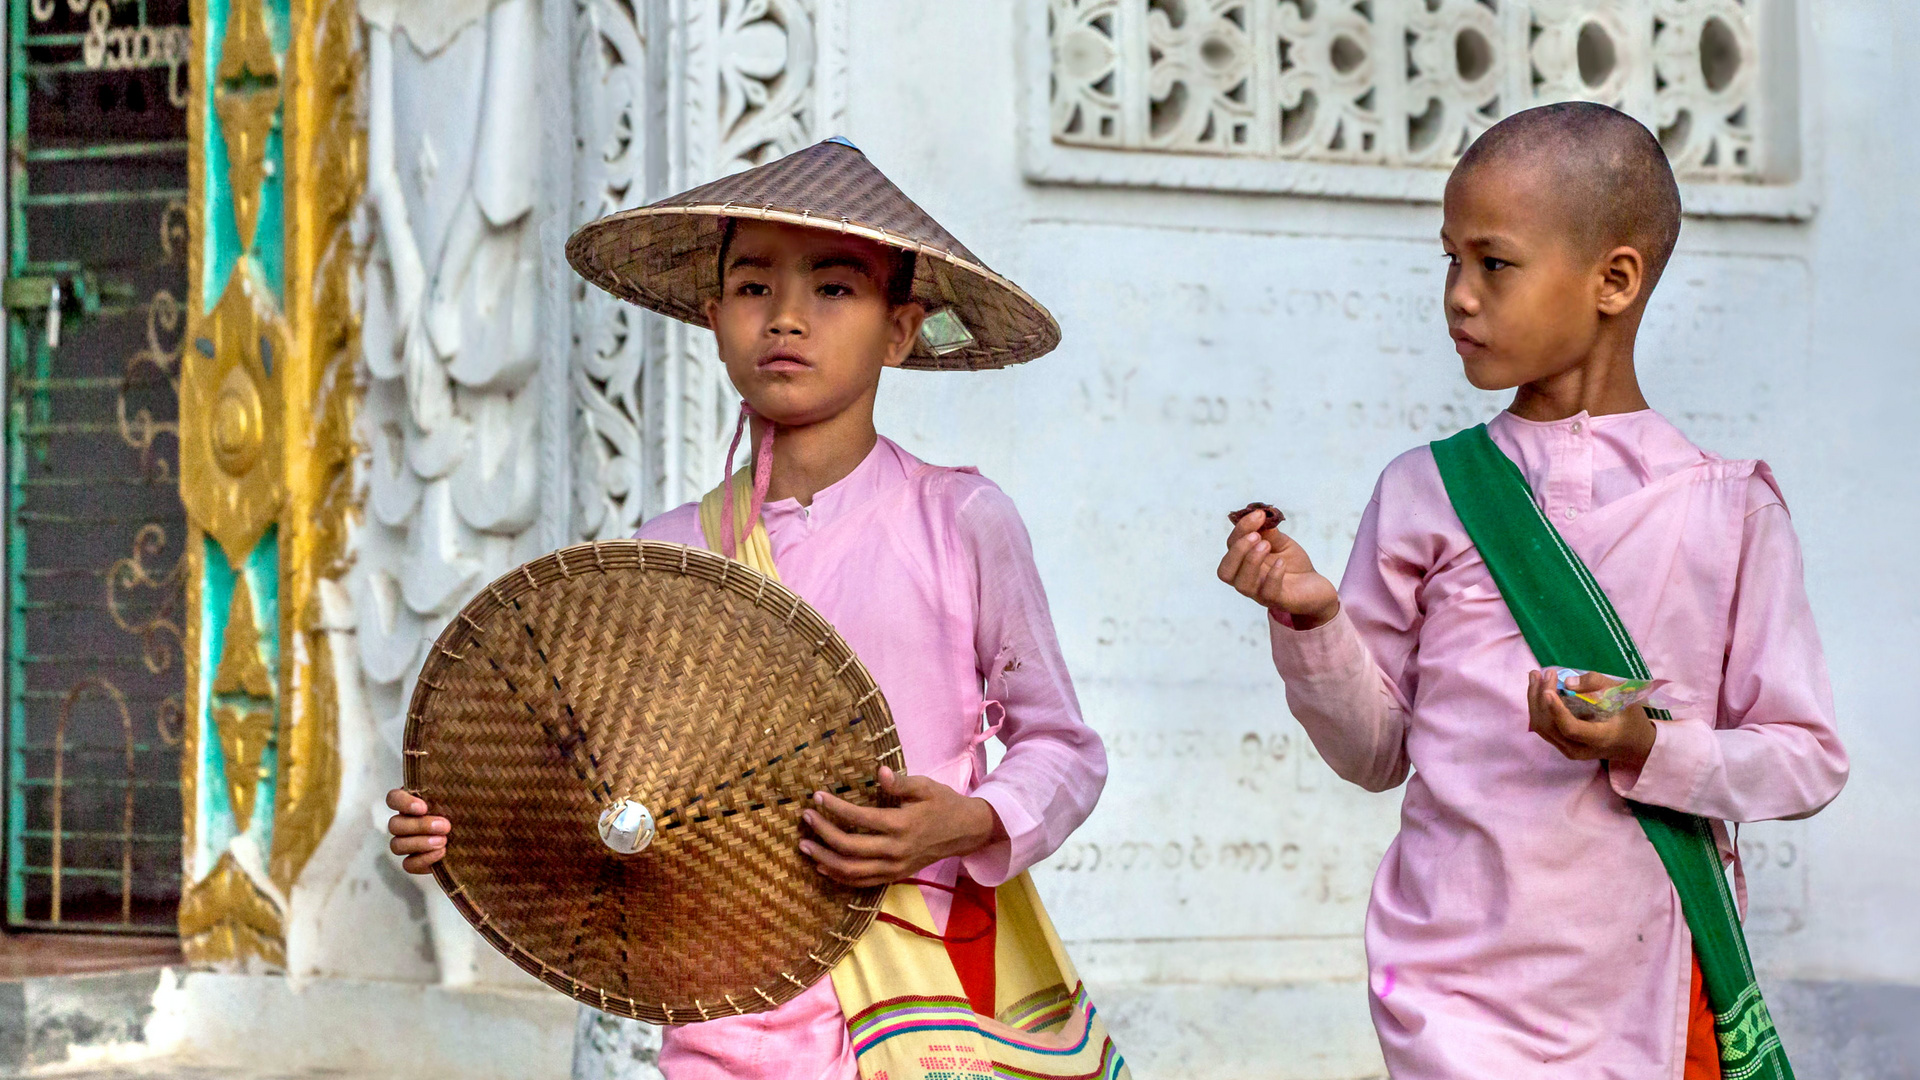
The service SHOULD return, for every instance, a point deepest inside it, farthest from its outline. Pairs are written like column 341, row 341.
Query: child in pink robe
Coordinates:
column 1521, row 925
column 944, row 597
column 815, row 278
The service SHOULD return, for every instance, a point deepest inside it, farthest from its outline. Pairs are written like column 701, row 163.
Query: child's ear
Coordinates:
column 712, row 309
column 905, row 331
column 1623, row 276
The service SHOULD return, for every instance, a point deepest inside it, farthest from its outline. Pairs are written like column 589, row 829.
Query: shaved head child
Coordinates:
column 1581, row 642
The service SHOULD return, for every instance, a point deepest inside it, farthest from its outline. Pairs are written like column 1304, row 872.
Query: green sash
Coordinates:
column 1568, row 622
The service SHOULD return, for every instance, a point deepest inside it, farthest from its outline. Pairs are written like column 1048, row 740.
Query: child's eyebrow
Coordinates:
column 751, row 262
column 848, row 262
column 1482, row 240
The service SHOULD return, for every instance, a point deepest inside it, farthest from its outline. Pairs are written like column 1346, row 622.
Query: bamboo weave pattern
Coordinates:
column 711, row 694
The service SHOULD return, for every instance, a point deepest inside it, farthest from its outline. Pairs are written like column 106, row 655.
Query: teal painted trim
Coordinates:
column 279, row 20
column 100, row 151
column 16, row 134
column 213, row 827
column 16, row 670
column 263, row 582
column 27, row 349
column 270, row 229
column 222, row 253
column 221, row 250
column 103, row 198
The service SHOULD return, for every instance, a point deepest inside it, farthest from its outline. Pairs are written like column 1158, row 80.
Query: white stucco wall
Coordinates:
column 1220, row 348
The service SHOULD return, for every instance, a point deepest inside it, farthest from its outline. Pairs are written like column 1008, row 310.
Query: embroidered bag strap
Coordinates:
column 752, row 546
column 1569, row 622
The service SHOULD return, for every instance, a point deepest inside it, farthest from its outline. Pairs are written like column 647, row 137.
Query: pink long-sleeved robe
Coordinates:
column 928, row 573
column 1521, row 924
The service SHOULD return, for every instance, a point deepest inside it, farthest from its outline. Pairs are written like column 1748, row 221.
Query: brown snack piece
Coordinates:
column 1274, row 516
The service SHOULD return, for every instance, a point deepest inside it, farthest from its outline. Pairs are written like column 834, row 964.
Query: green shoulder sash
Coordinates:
column 1569, row 622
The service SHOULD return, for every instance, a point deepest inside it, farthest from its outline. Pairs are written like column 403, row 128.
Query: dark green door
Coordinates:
column 96, row 277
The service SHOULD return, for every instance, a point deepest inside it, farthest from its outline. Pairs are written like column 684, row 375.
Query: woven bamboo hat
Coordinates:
column 624, row 735
column 665, row 256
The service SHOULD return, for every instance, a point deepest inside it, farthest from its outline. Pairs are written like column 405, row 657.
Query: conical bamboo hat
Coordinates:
column 658, row 676
column 665, row 256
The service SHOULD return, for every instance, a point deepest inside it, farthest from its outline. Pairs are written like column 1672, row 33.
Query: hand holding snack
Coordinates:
column 1613, row 725
column 1266, row 565
column 1274, row 516
column 1590, row 695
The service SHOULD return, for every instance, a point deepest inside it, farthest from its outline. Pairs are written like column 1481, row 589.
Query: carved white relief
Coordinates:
column 614, row 458
column 457, row 423
column 1230, row 77
column 1324, row 102
column 749, row 81
column 1705, row 58
column 754, row 80
column 451, row 422
column 1086, row 72
column 1591, row 51
column 1393, row 83
column 765, row 53
column 1455, row 74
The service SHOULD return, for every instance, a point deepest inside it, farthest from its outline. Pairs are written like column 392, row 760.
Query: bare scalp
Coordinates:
column 1608, row 173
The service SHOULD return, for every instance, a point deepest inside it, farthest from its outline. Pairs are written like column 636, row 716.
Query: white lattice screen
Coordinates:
column 1326, row 92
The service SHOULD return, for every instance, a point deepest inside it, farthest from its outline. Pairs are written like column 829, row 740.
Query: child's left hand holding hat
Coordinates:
column 877, row 845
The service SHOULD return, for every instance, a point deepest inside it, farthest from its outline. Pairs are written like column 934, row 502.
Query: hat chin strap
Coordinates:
column 762, row 477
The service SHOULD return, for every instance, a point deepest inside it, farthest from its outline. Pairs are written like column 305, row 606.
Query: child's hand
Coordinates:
column 422, row 839
column 873, row 845
column 1265, row 565
column 1625, row 737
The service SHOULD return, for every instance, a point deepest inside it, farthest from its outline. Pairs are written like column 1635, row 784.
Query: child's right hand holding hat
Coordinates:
column 1266, row 565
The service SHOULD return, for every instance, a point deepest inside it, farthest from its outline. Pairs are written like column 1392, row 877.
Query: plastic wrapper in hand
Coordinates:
column 1612, row 701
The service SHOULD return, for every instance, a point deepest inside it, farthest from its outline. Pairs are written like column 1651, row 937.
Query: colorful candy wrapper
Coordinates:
column 1600, row 704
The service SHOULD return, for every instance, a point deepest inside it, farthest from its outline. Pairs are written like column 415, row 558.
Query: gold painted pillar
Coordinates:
column 267, row 391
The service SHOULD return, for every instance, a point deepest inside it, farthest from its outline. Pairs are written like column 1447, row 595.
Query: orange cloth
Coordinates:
column 1703, row 1051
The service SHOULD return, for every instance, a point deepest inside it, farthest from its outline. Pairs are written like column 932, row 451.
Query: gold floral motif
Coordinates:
column 236, row 422
column 154, row 365
column 158, row 631
column 225, row 919
column 242, row 704
column 231, row 476
column 247, row 100
column 325, row 176
column 302, row 477
column 244, row 730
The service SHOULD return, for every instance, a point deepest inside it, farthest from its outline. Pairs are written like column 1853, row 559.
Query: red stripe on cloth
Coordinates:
column 973, row 916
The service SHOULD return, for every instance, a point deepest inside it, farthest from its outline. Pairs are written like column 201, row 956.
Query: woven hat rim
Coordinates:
column 841, row 225
column 692, row 562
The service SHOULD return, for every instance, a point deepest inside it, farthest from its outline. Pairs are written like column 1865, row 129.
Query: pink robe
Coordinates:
column 1521, row 924
column 928, row 574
